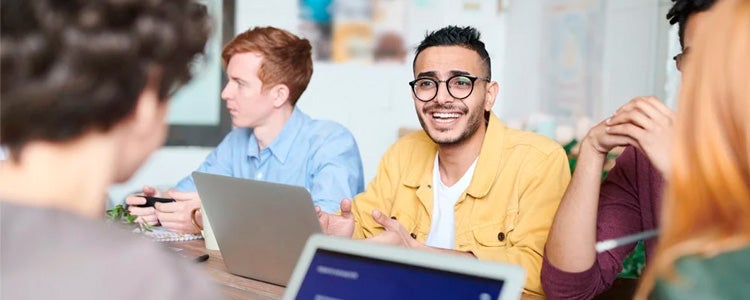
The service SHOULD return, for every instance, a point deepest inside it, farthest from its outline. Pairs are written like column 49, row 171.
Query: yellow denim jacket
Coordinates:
column 505, row 213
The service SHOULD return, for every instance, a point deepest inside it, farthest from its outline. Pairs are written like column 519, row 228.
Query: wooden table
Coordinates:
column 238, row 287
column 233, row 286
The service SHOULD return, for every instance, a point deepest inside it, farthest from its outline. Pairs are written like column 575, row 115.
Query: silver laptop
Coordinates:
column 336, row 268
column 261, row 227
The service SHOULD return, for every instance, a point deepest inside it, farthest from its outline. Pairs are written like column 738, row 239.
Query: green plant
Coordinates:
column 122, row 214
column 632, row 266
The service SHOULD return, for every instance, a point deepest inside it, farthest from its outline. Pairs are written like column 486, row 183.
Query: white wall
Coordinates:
column 634, row 51
column 520, row 91
column 635, row 48
column 163, row 169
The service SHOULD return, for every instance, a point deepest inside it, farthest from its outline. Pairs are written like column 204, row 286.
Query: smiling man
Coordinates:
column 467, row 184
column 268, row 69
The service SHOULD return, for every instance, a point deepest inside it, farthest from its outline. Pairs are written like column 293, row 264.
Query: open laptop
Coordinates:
column 261, row 227
column 336, row 268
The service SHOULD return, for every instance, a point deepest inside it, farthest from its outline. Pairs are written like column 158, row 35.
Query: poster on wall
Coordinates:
column 389, row 28
column 316, row 24
column 352, row 31
column 572, row 59
column 360, row 31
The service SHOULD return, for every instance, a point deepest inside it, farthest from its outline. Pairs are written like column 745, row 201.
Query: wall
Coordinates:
column 635, row 48
column 163, row 169
column 634, row 51
column 520, row 92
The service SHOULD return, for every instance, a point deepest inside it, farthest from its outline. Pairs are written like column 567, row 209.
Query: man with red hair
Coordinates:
column 268, row 69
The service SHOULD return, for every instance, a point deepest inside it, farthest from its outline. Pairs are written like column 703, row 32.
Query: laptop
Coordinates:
column 261, row 227
column 336, row 268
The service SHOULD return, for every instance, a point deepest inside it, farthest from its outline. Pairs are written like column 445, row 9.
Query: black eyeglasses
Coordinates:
column 459, row 87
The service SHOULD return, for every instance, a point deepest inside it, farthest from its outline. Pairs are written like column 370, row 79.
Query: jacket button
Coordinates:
column 501, row 236
column 414, row 235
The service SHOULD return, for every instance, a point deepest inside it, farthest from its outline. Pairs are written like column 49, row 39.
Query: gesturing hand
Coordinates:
column 337, row 225
column 394, row 234
column 175, row 216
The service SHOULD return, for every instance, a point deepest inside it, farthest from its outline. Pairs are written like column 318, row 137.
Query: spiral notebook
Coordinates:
column 160, row 234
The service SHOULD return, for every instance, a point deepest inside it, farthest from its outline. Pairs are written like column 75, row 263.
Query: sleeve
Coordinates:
column 217, row 162
column 619, row 214
column 379, row 194
column 337, row 171
column 541, row 188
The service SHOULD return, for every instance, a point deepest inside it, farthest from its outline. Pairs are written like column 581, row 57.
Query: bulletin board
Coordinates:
column 572, row 59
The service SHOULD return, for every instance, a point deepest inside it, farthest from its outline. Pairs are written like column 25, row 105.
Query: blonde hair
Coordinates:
column 706, row 208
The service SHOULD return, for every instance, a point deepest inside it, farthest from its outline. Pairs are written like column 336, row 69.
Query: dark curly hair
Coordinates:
column 467, row 37
column 73, row 66
column 682, row 10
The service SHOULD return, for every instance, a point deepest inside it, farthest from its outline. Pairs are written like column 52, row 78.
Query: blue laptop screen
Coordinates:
column 334, row 275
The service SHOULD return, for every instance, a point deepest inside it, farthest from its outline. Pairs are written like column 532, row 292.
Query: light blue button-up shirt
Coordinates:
column 321, row 156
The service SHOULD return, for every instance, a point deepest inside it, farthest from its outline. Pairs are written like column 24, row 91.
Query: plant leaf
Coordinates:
column 130, row 218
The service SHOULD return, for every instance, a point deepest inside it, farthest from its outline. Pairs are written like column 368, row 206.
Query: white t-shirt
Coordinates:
column 442, row 230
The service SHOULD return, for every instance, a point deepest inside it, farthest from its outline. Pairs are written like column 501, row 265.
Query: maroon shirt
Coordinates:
column 629, row 202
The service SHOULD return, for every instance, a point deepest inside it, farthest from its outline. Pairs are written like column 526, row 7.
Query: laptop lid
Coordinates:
column 336, row 268
column 261, row 227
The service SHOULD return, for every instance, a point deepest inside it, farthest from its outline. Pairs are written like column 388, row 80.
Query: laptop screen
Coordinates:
column 334, row 275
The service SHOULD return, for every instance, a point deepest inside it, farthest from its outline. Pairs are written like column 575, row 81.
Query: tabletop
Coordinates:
column 233, row 286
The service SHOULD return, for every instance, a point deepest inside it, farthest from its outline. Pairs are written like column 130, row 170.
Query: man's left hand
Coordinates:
column 650, row 123
column 175, row 216
column 394, row 234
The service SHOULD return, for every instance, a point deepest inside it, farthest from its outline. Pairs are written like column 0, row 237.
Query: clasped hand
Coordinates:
column 645, row 123
column 174, row 216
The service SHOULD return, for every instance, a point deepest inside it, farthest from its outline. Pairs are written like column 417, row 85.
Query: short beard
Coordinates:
column 475, row 119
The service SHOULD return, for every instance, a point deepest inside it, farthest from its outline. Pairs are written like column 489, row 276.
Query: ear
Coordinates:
column 280, row 95
column 492, row 89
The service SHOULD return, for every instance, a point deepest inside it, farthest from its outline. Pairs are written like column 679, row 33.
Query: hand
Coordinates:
column 175, row 216
column 337, row 225
column 395, row 234
column 145, row 214
column 650, row 124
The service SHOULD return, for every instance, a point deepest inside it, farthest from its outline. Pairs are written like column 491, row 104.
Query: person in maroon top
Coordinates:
column 629, row 199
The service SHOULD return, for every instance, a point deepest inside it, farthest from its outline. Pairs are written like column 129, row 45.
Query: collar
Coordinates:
column 487, row 168
column 282, row 144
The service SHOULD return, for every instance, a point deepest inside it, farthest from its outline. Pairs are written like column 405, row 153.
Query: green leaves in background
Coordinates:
column 632, row 266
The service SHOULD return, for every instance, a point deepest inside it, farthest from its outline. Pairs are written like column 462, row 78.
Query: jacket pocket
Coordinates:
column 491, row 235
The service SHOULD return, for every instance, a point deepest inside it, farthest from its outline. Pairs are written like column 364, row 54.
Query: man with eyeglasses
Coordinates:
column 467, row 184
column 628, row 201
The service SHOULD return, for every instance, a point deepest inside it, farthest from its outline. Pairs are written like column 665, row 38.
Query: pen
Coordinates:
column 614, row 243
column 201, row 258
